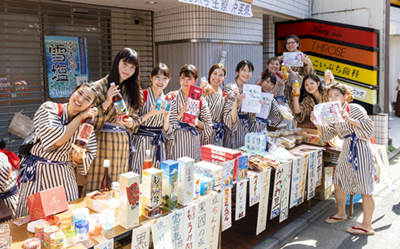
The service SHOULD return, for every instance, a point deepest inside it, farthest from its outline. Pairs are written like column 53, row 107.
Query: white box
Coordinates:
column 185, row 180
column 129, row 200
column 99, row 205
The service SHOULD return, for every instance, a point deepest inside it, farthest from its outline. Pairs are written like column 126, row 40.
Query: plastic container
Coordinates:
column 39, row 230
column 108, row 218
column 33, row 243
column 356, row 199
column 57, row 240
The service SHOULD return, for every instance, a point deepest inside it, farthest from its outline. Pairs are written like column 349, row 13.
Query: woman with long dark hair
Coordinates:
column 114, row 141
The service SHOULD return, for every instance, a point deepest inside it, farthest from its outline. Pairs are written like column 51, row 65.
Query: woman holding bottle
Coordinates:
column 187, row 136
column 113, row 130
column 53, row 158
column 223, row 111
column 157, row 125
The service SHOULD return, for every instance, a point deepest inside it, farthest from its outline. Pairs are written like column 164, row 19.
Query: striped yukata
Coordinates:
column 8, row 184
column 143, row 143
column 274, row 118
column 353, row 181
column 113, row 146
column 220, row 110
column 49, row 128
column 185, row 143
column 235, row 138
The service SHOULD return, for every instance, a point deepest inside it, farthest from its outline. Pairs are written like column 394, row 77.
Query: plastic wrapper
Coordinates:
column 261, row 163
column 285, row 113
column 207, row 88
column 273, row 134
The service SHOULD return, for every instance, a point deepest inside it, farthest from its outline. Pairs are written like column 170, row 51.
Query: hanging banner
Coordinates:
column 284, row 206
column 233, row 7
column 189, row 222
column 214, row 218
column 276, row 198
column 264, row 177
column 295, row 186
column 255, row 188
column 67, row 64
column 311, row 176
column 383, row 163
column 226, row 209
column 141, row 237
column 318, row 161
column 161, row 234
column 303, row 177
column 241, row 191
column 176, row 223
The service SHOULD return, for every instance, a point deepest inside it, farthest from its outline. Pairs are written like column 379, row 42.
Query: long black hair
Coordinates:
column 132, row 85
column 304, row 93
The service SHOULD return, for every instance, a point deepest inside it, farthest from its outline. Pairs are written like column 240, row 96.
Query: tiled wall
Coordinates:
column 381, row 128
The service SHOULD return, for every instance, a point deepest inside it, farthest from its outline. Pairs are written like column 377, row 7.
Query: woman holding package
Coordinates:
column 52, row 160
column 354, row 171
column 223, row 110
column 113, row 131
column 8, row 177
column 157, row 125
column 187, row 136
column 234, row 91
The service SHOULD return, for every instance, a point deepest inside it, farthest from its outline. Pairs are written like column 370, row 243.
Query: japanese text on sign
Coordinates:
column 233, row 7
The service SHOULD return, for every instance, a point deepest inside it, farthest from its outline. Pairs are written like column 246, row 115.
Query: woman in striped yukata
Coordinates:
column 52, row 160
column 223, row 111
column 354, row 171
column 267, row 83
column 114, row 136
column 8, row 177
column 187, row 136
column 157, row 125
column 235, row 138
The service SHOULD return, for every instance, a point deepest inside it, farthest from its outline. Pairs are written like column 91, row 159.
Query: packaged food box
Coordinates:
column 310, row 136
column 151, row 192
column 208, row 169
column 185, row 180
column 129, row 196
column 169, row 170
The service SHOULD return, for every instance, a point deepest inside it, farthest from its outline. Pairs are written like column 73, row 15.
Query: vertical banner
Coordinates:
column 311, row 176
column 226, row 209
column 202, row 228
column 141, row 237
column 161, row 234
column 189, row 222
column 67, row 64
column 383, row 163
column 303, row 177
column 176, row 223
column 214, row 218
column 241, row 191
column 255, row 189
column 294, row 193
column 276, row 198
column 318, row 178
column 234, row 7
column 264, row 178
column 284, row 209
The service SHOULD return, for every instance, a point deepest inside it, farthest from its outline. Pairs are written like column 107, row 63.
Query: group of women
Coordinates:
column 220, row 121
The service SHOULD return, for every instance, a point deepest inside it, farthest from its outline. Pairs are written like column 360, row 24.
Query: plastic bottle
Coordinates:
column 119, row 104
column 284, row 70
column 296, row 89
column 148, row 163
column 84, row 134
column 106, row 183
column 327, row 73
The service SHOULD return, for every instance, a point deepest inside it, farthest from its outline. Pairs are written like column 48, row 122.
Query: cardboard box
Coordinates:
column 185, row 180
column 47, row 202
column 99, row 205
column 169, row 170
column 310, row 136
column 193, row 107
column 229, row 154
column 208, row 169
column 129, row 200
column 151, row 192
column 243, row 165
column 324, row 191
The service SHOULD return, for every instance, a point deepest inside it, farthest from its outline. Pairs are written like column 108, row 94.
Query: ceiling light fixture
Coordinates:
column 151, row 2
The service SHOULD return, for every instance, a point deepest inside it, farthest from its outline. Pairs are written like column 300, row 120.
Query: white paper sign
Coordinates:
column 203, row 227
column 227, row 174
column 241, row 190
column 233, row 7
column 109, row 244
column 295, row 186
column 141, row 237
column 176, row 223
column 327, row 113
column 318, row 161
column 214, row 218
column 251, row 102
column 284, row 209
column 266, row 108
column 189, row 222
column 255, row 189
column 303, row 177
column 311, row 175
column 383, row 163
column 226, row 209
column 276, row 194
column 359, row 93
column 161, row 234
column 293, row 59
column 263, row 206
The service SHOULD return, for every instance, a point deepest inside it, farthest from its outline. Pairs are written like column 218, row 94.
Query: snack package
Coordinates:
column 207, row 88
column 162, row 104
column 193, row 106
column 327, row 113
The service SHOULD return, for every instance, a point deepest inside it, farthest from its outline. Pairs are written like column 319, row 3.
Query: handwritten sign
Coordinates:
column 109, row 244
column 295, row 186
column 189, row 222
column 276, row 198
column 141, row 237
column 233, row 7
column 213, row 218
column 255, row 189
column 303, row 177
column 176, row 222
column 251, row 102
column 318, row 178
column 263, row 206
column 203, row 228
column 241, row 190
column 161, row 234
column 311, row 176
column 226, row 209
column 266, row 108
column 284, row 206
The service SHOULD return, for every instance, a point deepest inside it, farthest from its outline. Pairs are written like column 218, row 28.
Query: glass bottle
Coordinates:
column 106, row 184
column 84, row 134
column 148, row 163
column 120, row 106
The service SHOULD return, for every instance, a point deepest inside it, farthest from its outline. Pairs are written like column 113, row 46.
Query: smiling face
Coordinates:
column 267, row 85
column 336, row 95
column 186, row 81
column 126, row 70
column 81, row 99
column 160, row 81
column 291, row 45
column 311, row 86
column 244, row 74
column 217, row 77
column 273, row 66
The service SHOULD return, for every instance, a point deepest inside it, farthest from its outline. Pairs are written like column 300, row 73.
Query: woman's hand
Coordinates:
column 154, row 111
column 305, row 60
column 345, row 115
column 183, row 110
column 196, row 122
column 127, row 122
column 240, row 99
column 112, row 91
column 312, row 117
column 77, row 156
column 89, row 113
column 281, row 83
column 261, row 102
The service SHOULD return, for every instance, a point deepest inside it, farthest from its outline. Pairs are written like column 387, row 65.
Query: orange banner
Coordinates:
column 356, row 55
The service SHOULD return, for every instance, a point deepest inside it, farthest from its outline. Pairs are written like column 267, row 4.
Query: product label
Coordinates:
column 84, row 133
column 120, row 107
